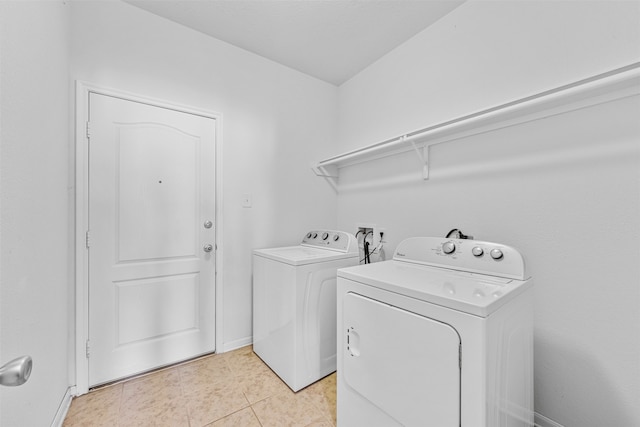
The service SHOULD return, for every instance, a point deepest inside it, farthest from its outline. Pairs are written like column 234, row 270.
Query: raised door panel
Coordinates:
column 158, row 198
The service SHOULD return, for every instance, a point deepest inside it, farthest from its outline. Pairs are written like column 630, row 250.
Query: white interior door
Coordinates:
column 404, row 364
column 151, row 280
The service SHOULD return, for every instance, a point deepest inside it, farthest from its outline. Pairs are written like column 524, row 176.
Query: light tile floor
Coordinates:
column 229, row 389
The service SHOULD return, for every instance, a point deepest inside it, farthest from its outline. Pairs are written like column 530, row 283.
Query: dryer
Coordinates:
column 439, row 336
column 294, row 305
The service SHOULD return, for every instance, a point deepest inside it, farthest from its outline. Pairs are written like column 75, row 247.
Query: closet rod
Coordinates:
column 561, row 93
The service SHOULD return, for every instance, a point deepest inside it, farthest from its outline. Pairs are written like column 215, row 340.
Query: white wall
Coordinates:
column 34, row 138
column 564, row 190
column 275, row 122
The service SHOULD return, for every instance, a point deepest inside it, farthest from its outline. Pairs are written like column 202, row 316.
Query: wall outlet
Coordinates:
column 381, row 234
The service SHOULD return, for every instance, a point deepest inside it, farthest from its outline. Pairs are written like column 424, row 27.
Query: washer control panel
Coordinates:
column 331, row 239
column 473, row 256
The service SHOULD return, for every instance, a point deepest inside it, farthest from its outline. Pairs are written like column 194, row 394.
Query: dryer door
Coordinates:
column 404, row 364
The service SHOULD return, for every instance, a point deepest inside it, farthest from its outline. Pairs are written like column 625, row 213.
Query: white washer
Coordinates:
column 294, row 305
column 440, row 336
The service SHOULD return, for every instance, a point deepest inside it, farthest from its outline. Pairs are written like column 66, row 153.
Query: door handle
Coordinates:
column 207, row 247
column 16, row 372
column 353, row 342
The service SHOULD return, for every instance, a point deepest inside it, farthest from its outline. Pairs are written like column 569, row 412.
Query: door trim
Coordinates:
column 81, row 333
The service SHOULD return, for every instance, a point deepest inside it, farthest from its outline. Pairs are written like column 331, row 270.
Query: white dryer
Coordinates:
column 294, row 305
column 439, row 336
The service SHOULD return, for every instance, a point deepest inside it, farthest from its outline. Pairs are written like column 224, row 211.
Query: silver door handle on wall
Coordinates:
column 16, row 372
column 208, row 248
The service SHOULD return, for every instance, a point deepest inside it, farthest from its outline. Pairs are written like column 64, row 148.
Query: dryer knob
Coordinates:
column 336, row 237
column 477, row 251
column 325, row 236
column 448, row 247
column 496, row 254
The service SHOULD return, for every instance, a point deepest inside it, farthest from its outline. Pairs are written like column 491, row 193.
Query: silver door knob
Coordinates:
column 208, row 248
column 16, row 372
column 208, row 224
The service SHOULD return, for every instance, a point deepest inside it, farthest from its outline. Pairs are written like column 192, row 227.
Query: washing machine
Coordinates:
column 294, row 305
column 439, row 336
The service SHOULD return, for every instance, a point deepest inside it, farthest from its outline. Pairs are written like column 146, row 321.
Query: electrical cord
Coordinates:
column 458, row 234
column 361, row 230
column 368, row 252
column 367, row 255
column 367, row 245
column 373, row 252
column 455, row 230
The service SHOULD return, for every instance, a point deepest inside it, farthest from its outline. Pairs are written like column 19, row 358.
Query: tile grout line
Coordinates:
column 183, row 395
column 256, row 415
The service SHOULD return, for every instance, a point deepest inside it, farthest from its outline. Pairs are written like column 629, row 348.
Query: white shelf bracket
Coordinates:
column 328, row 171
column 423, row 156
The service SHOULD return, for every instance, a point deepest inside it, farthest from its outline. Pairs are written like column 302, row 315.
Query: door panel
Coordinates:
column 139, row 301
column 404, row 364
column 151, row 285
column 158, row 198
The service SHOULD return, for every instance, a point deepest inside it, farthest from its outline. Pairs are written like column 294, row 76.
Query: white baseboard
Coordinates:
column 64, row 407
column 542, row 421
column 233, row 345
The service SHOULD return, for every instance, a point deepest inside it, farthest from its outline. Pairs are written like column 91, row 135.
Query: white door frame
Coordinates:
column 83, row 89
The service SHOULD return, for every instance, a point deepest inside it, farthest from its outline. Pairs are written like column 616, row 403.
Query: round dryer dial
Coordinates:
column 477, row 251
column 448, row 247
column 496, row 254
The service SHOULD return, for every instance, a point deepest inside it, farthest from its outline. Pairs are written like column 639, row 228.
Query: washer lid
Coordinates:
column 302, row 255
column 472, row 293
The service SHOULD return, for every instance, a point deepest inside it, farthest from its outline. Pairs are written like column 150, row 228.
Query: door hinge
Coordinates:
column 88, row 130
column 87, row 239
column 88, row 349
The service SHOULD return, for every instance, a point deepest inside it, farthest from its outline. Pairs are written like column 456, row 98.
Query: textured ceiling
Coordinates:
column 329, row 39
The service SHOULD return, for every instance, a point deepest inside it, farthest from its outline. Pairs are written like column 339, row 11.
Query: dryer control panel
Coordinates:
column 331, row 239
column 473, row 256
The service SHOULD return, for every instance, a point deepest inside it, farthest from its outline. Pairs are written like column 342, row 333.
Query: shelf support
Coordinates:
column 422, row 156
column 328, row 172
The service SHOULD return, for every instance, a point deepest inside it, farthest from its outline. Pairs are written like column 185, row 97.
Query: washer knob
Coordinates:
column 336, row 237
column 477, row 251
column 325, row 236
column 309, row 235
column 448, row 247
column 496, row 254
